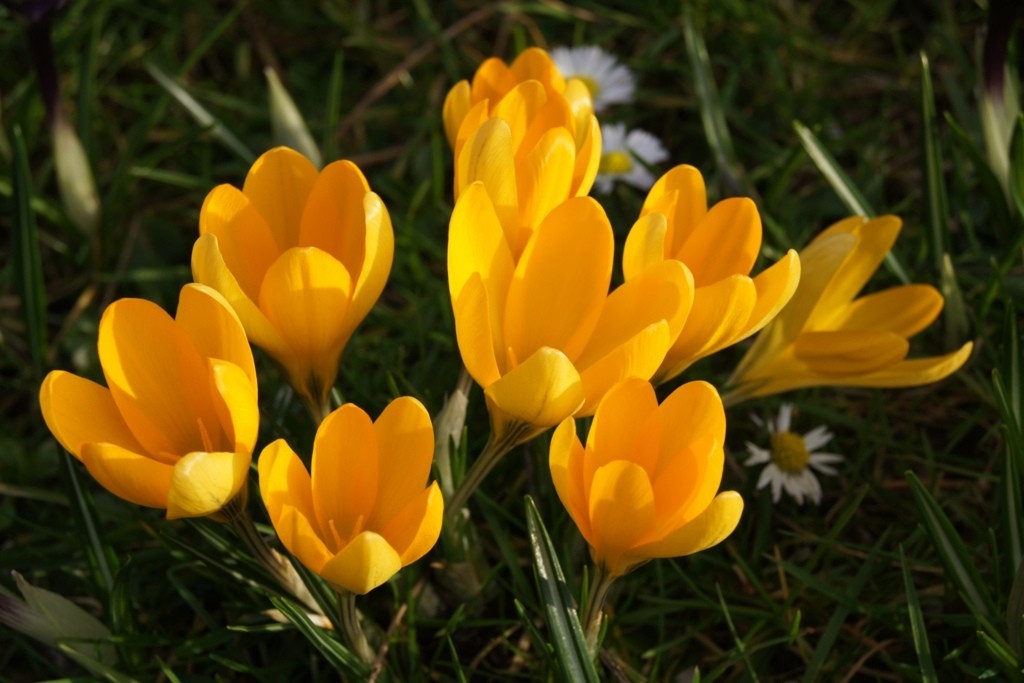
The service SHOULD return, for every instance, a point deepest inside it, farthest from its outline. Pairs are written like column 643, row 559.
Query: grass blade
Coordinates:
column 917, row 628
column 336, row 654
column 935, row 188
column 27, row 262
column 566, row 634
column 1017, row 166
column 101, row 557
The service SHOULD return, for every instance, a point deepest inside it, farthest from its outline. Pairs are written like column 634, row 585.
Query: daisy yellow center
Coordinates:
column 789, row 452
column 615, row 162
column 591, row 84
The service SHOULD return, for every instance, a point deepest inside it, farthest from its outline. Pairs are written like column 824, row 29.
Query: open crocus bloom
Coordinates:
column 176, row 424
column 366, row 511
column 302, row 256
column 646, row 485
column 719, row 246
column 829, row 336
column 540, row 332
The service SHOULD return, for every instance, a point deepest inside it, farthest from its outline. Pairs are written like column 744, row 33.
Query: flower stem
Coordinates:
column 593, row 611
column 492, row 453
column 351, row 628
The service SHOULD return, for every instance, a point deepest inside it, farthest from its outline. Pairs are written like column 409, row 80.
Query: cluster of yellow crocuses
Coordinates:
column 295, row 260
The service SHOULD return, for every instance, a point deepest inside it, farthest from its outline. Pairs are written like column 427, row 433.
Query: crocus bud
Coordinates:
column 290, row 128
column 74, row 177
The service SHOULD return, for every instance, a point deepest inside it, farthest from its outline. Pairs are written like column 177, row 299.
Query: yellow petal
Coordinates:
column 477, row 244
column 345, row 472
column 622, row 429
column 479, row 340
column 679, row 194
column 911, row 373
column 488, row 157
column 875, row 238
column 621, row 512
column 299, row 535
column 214, row 328
column 544, row 177
column 492, row 80
column 305, row 296
column 853, row 352
column 819, row 262
column 581, row 104
column 362, row 565
column 79, row 411
column 542, row 391
column 709, row 529
column 128, row 475
column 637, row 357
column 378, row 254
column 475, row 117
column 902, row 310
column 203, row 483
column 285, row 484
column 588, row 159
column 535, row 64
column 209, row 268
column 775, row 287
column 332, row 219
column 243, row 237
column 725, row 243
column 688, row 414
column 687, row 482
column 415, row 528
column 236, row 402
column 561, row 281
column 456, row 104
column 151, row 368
column 518, row 107
column 278, row 184
column 405, row 443
column 645, row 245
column 566, row 464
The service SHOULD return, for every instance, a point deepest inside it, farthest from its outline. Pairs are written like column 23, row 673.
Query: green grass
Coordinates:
column 837, row 592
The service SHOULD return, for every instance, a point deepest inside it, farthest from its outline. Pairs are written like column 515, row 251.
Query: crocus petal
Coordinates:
column 687, row 483
column 561, row 281
column 477, row 244
column 911, row 373
column 775, row 287
column 345, row 472
column 709, row 529
column 492, row 80
column 362, row 565
column 544, row 177
column 689, row 413
column 645, row 245
column 818, row 264
column 79, row 411
column 475, row 332
column 378, row 254
column 535, row 64
column 621, row 428
column 405, row 443
column 542, row 391
column 244, row 239
column 725, row 243
column 681, row 195
column 298, row 534
column 214, row 328
column 128, row 475
column 850, row 352
column 621, row 511
column 456, row 104
column 518, row 107
column 875, row 238
column 902, row 310
column 285, row 484
column 577, row 95
column 333, row 219
column 639, row 356
column 588, row 159
column 414, row 530
column 236, row 402
column 203, row 483
column 566, row 464
column 278, row 184
column 488, row 157
column 209, row 268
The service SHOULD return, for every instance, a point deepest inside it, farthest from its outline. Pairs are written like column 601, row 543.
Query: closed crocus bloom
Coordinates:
column 176, row 424
column 540, row 332
column 720, row 247
column 827, row 335
column 646, row 484
column 366, row 511
column 302, row 256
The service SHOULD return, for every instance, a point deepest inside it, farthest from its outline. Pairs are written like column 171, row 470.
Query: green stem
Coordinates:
column 593, row 611
column 351, row 628
column 492, row 453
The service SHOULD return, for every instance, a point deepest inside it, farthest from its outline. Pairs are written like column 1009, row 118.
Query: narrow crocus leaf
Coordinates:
column 290, row 128
column 101, row 556
column 1017, row 166
column 917, row 628
column 1004, row 657
column 992, row 190
column 1015, row 611
column 562, row 617
column 938, row 205
column 955, row 311
column 28, row 268
column 955, row 556
column 336, row 654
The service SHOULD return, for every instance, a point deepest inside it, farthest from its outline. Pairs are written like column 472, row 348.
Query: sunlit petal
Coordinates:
column 203, row 483
column 366, row 562
column 128, row 475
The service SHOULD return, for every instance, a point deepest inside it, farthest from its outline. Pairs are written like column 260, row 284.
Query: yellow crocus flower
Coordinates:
column 176, row 424
column 302, row 256
column 646, row 484
column 827, row 335
column 539, row 331
column 719, row 246
column 366, row 511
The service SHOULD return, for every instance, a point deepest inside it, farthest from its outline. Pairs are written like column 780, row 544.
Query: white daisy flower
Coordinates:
column 608, row 80
column 625, row 156
column 792, row 462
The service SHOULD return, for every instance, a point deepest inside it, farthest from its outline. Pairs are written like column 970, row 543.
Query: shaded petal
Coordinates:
column 518, row 108
column 285, row 483
column 910, row 373
column 536, row 64
column 362, row 565
column 726, row 242
column 332, row 218
column 488, row 157
column 902, row 310
column 298, row 535
column 819, row 262
column 621, row 512
column 850, row 352
column 405, row 452
column 687, row 483
column 545, row 175
column 637, row 357
column 693, row 411
column 245, row 241
column 622, row 429
column 278, row 184
column 561, row 281
column 128, row 475
column 775, row 287
column 645, row 245
column 235, row 400
column 378, row 250
column 479, row 340
column 79, row 411
column 566, row 464
column 542, row 391
column 681, row 195
column 588, row 159
column 875, row 238
column 214, row 328
column 414, row 530
column 203, row 483
column 456, row 105
column 492, row 80
column 345, row 473
column 709, row 529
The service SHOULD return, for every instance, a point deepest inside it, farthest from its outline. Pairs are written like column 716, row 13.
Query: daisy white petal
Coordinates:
column 609, row 81
column 817, row 437
column 785, row 418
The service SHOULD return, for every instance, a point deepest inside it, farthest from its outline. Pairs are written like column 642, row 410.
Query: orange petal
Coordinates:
column 902, row 310
column 345, row 472
column 637, row 357
column 621, row 512
column 687, row 483
column 534, row 63
column 235, row 400
column 775, row 287
column 709, row 529
column 456, row 104
column 853, row 352
column 405, row 443
column 128, row 475
column 492, row 80
column 79, row 411
column 679, row 194
column 542, row 391
column 518, row 107
column 688, row 414
column 479, row 340
column 477, row 244
column 362, row 565
column 378, row 254
column 214, row 328
column 285, row 483
column 278, row 184
column 203, row 483
column 243, row 237
column 488, row 157
column 544, row 176
column 725, row 243
column 298, row 535
column 911, row 373
column 645, row 245
column 622, row 429
column 819, row 262
column 566, row 464
column 332, row 219
column 588, row 159
column 875, row 238
column 415, row 528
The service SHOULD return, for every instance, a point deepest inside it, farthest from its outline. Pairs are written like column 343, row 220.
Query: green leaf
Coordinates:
column 935, row 188
column 336, row 654
column 917, row 628
column 1015, row 611
column 993, row 191
column 844, row 187
column 712, row 114
column 102, row 558
column 563, row 620
column 1017, row 166
column 740, row 645
column 26, row 260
